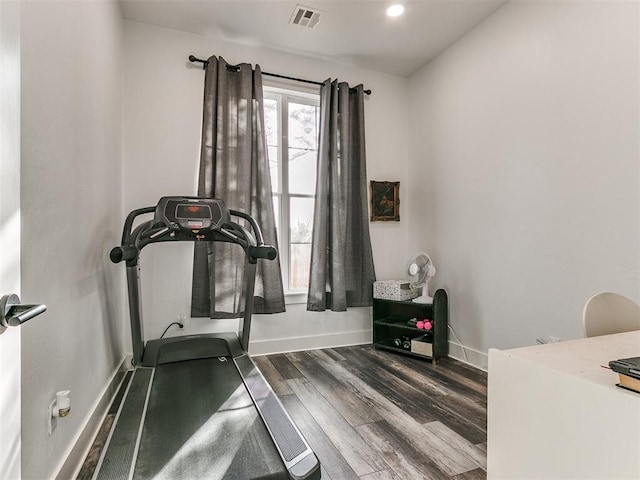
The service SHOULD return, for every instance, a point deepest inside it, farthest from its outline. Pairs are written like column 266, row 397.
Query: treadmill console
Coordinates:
column 191, row 214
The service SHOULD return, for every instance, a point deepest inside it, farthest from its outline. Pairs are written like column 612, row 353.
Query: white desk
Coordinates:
column 554, row 412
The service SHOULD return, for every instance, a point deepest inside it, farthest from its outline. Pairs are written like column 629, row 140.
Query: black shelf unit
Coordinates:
column 390, row 322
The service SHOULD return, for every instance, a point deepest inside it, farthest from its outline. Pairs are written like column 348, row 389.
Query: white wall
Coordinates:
column 72, row 214
column 163, row 116
column 526, row 151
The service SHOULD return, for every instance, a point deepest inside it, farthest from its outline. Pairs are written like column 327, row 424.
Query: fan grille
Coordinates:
column 305, row 17
column 418, row 269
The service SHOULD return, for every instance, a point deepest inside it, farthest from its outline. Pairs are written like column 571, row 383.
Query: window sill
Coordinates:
column 294, row 298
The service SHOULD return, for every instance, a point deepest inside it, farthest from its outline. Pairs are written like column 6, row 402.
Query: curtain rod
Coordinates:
column 204, row 63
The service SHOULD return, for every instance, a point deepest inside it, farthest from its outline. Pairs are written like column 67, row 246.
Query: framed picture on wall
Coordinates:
column 385, row 201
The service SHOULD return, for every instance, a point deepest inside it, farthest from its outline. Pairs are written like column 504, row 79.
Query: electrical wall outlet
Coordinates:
column 549, row 339
column 184, row 320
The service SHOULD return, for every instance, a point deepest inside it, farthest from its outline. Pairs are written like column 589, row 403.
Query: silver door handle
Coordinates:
column 13, row 313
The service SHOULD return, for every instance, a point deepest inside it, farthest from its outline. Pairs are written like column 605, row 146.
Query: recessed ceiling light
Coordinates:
column 395, row 10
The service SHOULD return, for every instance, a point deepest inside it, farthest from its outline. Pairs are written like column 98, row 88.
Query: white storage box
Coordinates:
column 422, row 346
column 393, row 290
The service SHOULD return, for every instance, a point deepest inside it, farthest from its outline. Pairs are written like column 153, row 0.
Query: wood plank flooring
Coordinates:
column 376, row 415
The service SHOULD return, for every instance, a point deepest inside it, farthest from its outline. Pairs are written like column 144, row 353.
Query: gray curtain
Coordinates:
column 234, row 168
column 342, row 272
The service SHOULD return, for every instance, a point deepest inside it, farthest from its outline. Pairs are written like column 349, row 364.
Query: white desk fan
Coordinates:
column 420, row 270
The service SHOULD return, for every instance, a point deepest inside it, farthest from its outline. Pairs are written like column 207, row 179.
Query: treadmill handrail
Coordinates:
column 134, row 241
column 260, row 250
column 128, row 223
column 254, row 225
column 143, row 234
column 127, row 233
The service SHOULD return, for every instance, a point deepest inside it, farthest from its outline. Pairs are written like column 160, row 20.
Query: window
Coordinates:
column 291, row 122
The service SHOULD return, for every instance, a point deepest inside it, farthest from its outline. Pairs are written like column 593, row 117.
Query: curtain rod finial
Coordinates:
column 194, row 59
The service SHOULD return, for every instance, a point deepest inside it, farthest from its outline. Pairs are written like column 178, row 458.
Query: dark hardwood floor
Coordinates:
column 375, row 415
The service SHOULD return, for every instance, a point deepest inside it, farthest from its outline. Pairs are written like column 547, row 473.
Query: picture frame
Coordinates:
column 385, row 201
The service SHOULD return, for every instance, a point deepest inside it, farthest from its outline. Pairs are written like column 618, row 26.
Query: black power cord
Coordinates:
column 174, row 323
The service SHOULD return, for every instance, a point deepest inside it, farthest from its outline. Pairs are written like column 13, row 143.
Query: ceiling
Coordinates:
column 352, row 32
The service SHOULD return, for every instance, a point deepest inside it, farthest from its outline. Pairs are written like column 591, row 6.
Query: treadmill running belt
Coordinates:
column 201, row 423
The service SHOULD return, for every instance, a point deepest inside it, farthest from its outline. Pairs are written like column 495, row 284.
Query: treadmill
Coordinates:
column 196, row 406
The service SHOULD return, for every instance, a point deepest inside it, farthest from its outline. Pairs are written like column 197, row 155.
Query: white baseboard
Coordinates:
column 313, row 342
column 72, row 464
column 475, row 358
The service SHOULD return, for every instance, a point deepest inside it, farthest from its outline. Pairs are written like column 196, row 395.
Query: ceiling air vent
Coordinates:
column 305, row 16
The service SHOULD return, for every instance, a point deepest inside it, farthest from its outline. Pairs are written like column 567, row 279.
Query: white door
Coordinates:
column 10, row 234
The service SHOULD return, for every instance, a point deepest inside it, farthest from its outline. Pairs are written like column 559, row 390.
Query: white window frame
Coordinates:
column 284, row 96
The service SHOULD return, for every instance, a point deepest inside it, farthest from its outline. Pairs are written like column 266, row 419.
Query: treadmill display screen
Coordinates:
column 185, row 211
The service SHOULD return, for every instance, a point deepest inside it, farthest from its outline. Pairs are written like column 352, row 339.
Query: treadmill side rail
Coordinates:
column 118, row 456
column 296, row 453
